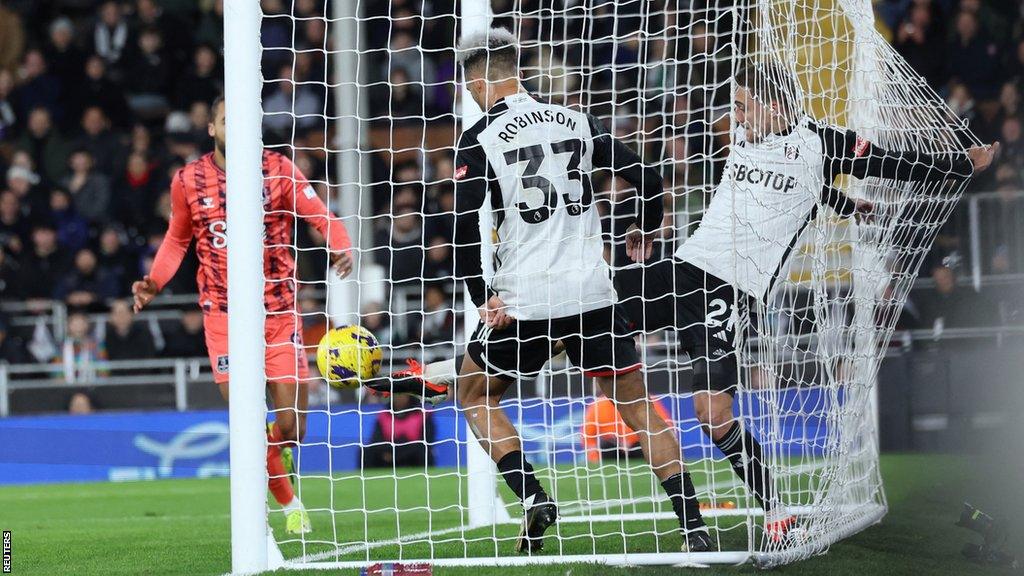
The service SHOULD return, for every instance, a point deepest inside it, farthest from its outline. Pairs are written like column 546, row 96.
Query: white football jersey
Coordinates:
column 767, row 196
column 548, row 247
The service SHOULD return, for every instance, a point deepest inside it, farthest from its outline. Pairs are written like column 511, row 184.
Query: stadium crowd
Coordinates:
column 101, row 102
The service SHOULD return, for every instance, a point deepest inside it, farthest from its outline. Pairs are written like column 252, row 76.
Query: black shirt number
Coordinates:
column 534, row 157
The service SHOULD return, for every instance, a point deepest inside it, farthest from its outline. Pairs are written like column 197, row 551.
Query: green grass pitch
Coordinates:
column 182, row 526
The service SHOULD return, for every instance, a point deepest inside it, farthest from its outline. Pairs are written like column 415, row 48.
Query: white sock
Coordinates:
column 295, row 504
column 441, row 372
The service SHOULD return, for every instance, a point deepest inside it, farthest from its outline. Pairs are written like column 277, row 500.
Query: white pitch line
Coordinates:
column 573, row 509
column 427, row 534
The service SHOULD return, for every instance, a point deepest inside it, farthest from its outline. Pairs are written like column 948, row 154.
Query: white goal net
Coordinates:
column 367, row 98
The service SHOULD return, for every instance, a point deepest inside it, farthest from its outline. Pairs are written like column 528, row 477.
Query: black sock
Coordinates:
column 518, row 474
column 750, row 469
column 684, row 501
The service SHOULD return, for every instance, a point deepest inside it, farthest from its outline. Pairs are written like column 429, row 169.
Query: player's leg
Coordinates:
column 288, row 386
column 479, row 396
column 606, row 352
column 429, row 382
column 714, row 383
column 291, row 405
column 660, row 447
column 278, row 480
column 493, row 359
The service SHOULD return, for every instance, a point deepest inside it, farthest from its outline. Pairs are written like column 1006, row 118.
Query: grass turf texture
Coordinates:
column 182, row 526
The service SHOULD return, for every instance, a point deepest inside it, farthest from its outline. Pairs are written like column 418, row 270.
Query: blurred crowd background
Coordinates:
column 101, row 102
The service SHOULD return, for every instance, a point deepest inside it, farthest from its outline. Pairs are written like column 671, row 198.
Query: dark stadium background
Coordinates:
column 100, row 102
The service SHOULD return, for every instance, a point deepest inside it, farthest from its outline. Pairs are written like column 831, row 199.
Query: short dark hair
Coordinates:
column 216, row 102
column 770, row 82
column 496, row 50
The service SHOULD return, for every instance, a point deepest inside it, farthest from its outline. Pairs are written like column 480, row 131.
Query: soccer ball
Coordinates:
column 348, row 355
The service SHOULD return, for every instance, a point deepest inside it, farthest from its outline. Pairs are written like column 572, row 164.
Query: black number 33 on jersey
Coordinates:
column 576, row 201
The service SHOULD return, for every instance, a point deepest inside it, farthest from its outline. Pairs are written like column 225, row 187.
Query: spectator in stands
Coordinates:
column 44, row 144
column 12, row 348
column 438, row 320
column 14, row 226
column 402, row 253
column 605, row 436
column 374, row 318
column 10, row 278
column 973, row 57
column 81, row 350
column 961, row 102
column 38, row 88
column 202, row 83
column 401, row 436
column 117, row 259
column 87, row 286
column 186, row 339
column 199, row 119
column 406, row 98
column 24, row 183
column 148, row 76
column 80, row 403
column 98, row 90
column 176, row 34
column 951, row 306
column 72, row 229
column 8, row 116
column 111, row 34
column 405, row 54
column 211, row 24
column 920, row 40
column 12, row 39
column 1009, row 99
column 291, row 106
column 89, row 189
column 66, row 60
column 1012, row 142
column 97, row 138
column 990, row 23
column 45, row 264
column 136, row 190
column 439, row 262
column 126, row 339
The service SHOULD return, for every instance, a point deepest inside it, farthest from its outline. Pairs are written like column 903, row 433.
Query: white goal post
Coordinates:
column 660, row 75
column 250, row 541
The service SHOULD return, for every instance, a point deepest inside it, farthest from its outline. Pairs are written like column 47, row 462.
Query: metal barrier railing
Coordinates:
column 177, row 372
column 180, row 372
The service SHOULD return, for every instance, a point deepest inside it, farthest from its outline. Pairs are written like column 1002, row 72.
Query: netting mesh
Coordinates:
column 366, row 95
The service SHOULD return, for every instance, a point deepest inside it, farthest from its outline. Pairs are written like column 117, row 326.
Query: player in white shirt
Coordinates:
column 551, row 284
column 780, row 169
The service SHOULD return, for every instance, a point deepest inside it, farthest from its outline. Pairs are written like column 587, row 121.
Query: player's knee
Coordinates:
column 288, row 428
column 626, row 389
column 472, row 390
column 713, row 413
